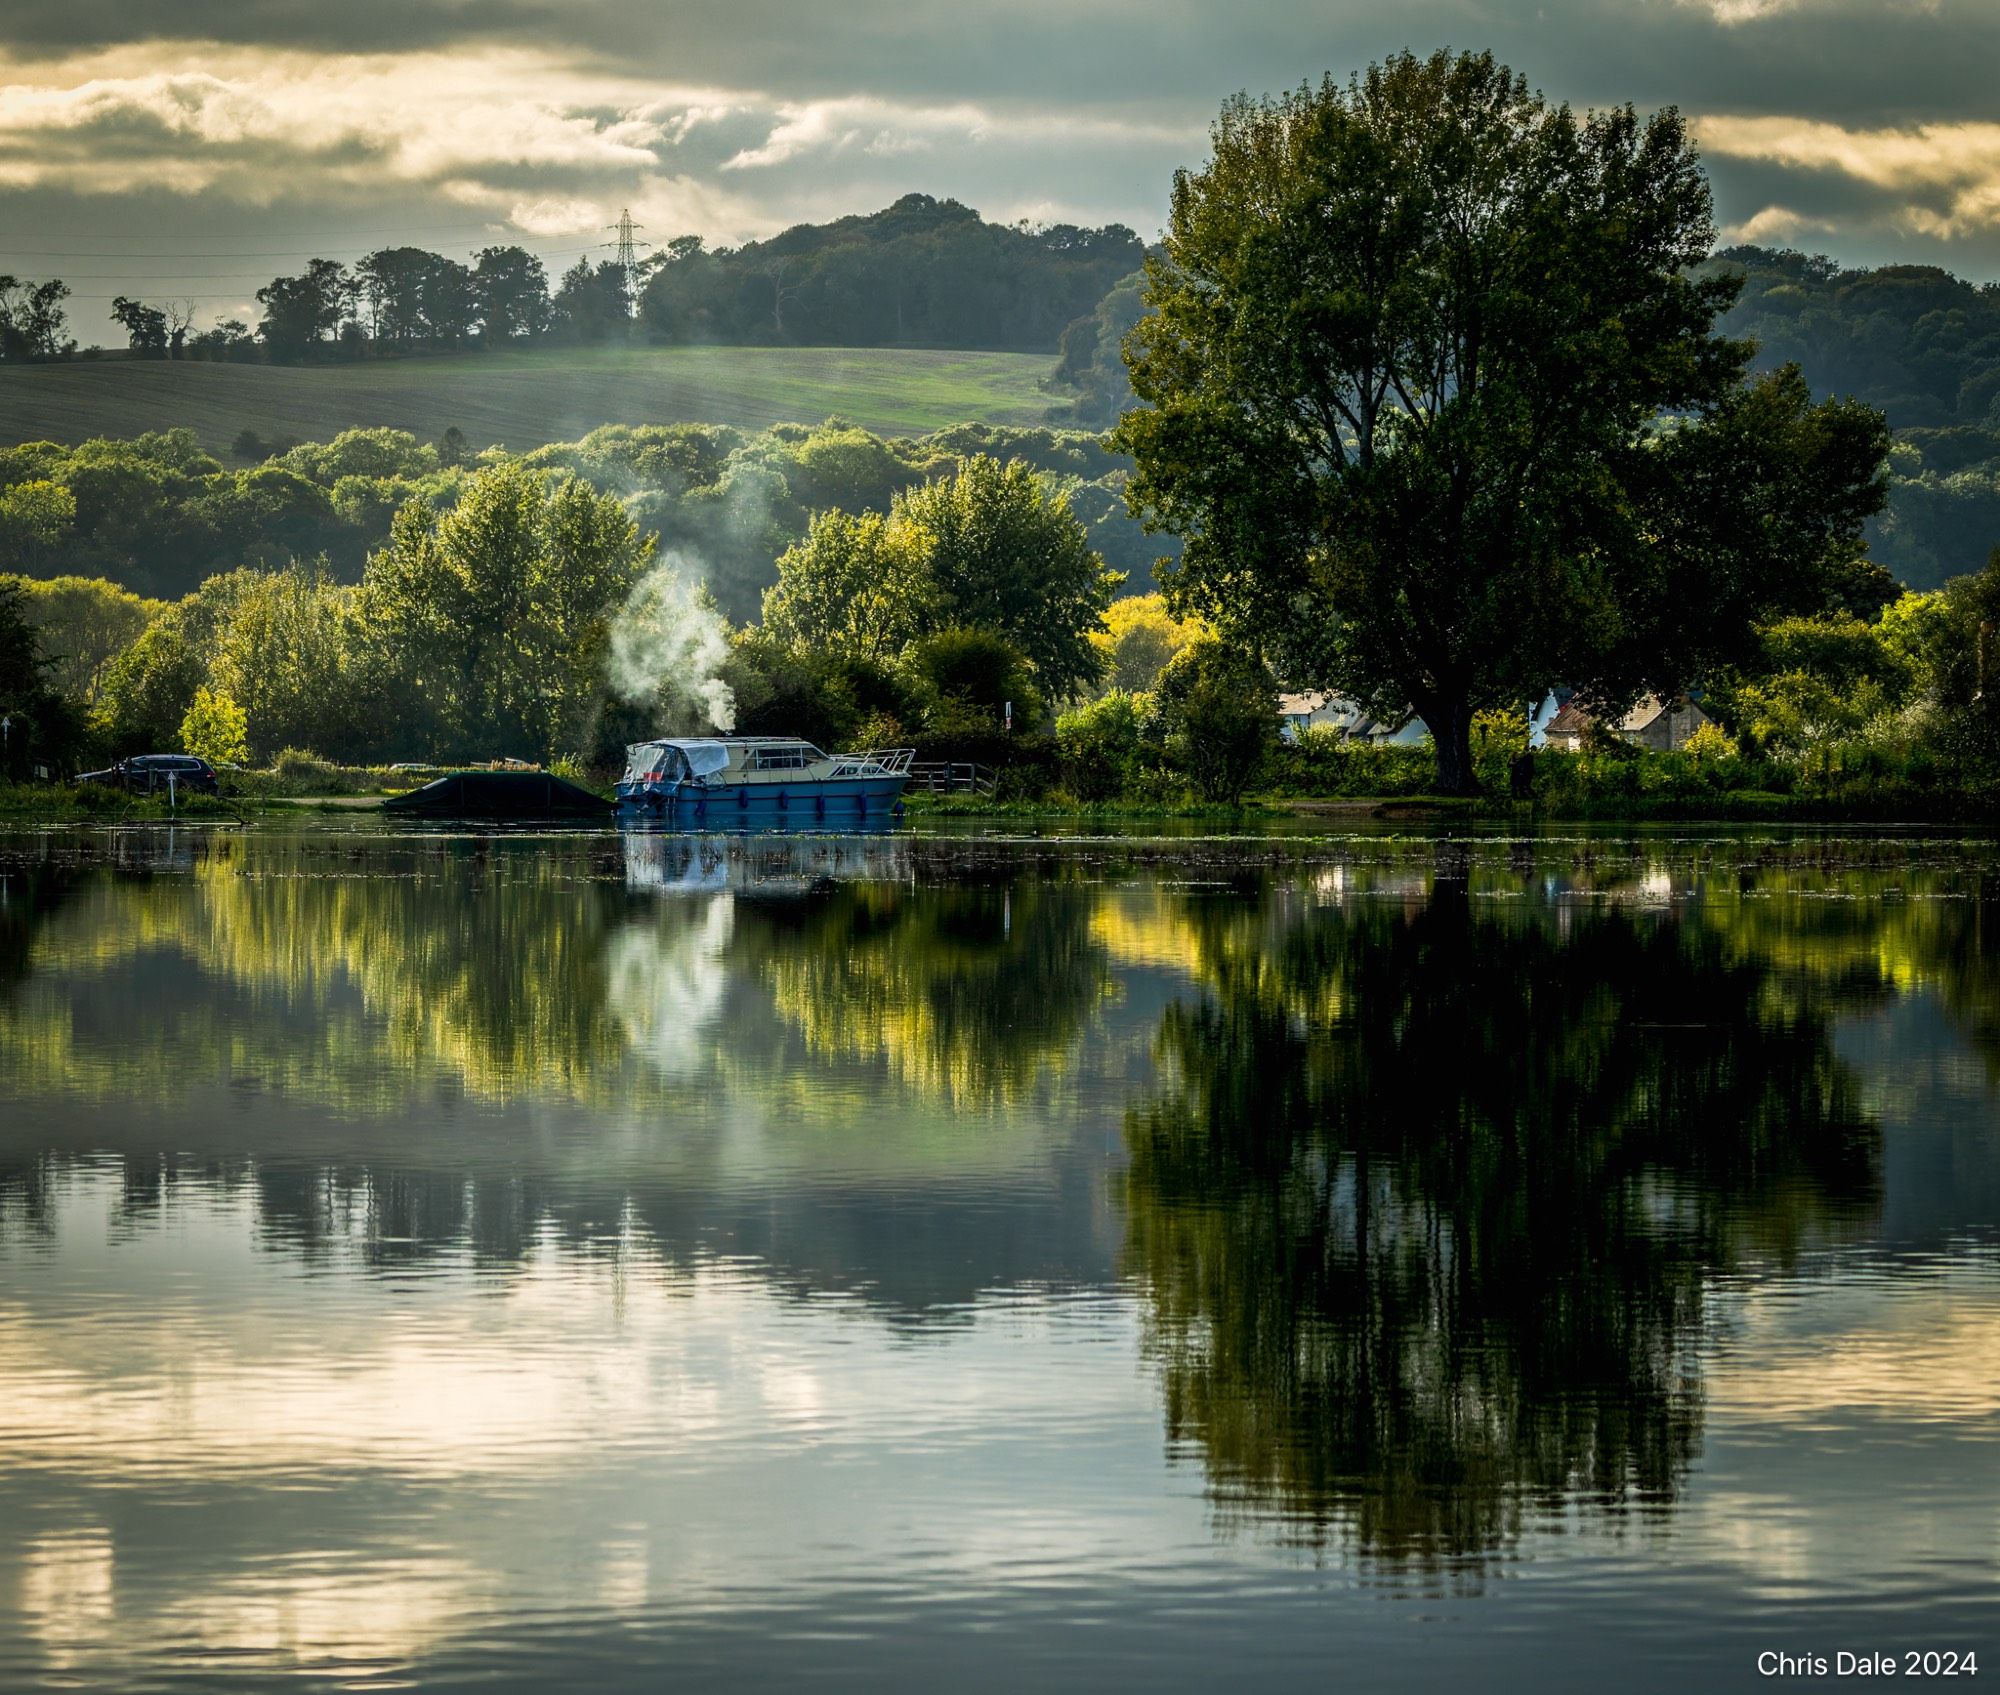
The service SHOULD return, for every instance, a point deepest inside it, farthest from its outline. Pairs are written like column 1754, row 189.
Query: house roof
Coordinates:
column 1302, row 705
column 1573, row 720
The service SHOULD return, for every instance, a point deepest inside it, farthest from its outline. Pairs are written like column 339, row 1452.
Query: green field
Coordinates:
column 524, row 399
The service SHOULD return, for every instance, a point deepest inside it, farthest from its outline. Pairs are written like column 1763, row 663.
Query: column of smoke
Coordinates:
column 668, row 645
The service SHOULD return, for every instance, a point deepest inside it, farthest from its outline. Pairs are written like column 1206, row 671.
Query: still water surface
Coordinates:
column 598, row 1262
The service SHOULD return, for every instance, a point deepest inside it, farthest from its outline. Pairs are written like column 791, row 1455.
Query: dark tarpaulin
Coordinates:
column 500, row 794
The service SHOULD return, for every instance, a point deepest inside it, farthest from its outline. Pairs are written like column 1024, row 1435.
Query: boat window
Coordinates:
column 785, row 758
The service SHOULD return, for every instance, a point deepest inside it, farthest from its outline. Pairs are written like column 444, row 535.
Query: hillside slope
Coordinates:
column 524, row 399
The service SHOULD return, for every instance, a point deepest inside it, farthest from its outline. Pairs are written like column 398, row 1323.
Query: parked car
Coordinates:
column 148, row 773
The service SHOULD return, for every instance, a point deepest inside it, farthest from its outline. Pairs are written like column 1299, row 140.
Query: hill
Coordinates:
column 1924, row 346
column 920, row 273
column 522, row 399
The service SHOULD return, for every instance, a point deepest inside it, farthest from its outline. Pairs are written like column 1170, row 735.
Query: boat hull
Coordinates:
column 841, row 798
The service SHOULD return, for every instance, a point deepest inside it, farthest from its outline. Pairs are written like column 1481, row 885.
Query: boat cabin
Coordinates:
column 716, row 761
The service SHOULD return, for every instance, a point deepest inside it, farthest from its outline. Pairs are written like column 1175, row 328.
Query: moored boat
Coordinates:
column 723, row 779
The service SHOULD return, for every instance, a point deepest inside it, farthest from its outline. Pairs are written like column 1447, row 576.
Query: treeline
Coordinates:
column 157, row 514
column 1921, row 345
column 921, row 273
column 534, row 617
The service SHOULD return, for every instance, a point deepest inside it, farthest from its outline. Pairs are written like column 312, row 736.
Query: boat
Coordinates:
column 771, row 780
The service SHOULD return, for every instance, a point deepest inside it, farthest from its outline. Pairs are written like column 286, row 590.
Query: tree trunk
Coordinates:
column 1450, row 725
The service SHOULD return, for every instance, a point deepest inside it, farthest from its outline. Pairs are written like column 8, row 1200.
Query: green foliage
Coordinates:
column 988, row 547
column 859, row 585
column 157, row 515
column 970, row 676
column 491, row 618
column 1218, row 710
column 1405, row 360
column 1322, row 762
column 923, row 272
column 1139, row 637
column 84, row 624
column 215, row 729
column 1924, row 347
column 45, row 728
column 287, row 650
column 1006, row 554
column 1092, row 362
column 148, row 689
column 35, row 517
column 299, row 762
column 833, row 699
column 1101, row 745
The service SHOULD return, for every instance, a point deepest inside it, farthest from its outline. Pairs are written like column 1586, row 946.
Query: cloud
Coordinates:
column 1858, row 124
column 1938, row 180
column 1732, row 12
column 1779, row 224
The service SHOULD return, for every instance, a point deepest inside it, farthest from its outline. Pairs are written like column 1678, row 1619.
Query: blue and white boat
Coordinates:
column 723, row 781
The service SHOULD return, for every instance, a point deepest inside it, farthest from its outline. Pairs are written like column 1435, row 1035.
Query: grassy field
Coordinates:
column 524, row 399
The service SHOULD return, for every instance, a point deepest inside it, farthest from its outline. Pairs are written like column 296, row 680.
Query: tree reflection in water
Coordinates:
column 1427, row 1210
column 971, row 994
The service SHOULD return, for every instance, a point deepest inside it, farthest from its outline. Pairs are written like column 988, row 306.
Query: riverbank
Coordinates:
column 66, row 804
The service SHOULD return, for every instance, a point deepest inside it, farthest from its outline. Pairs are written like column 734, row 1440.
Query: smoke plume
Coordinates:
column 668, row 645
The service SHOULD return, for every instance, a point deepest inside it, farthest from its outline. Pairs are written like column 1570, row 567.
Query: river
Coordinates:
column 599, row 1261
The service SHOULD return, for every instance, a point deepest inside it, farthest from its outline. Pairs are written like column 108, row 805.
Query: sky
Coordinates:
column 192, row 152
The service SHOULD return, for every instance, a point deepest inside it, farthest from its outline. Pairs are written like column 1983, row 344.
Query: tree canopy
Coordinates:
column 923, row 273
column 990, row 547
column 1426, row 371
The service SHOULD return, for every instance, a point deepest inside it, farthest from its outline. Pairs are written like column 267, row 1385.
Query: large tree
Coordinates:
column 1007, row 554
column 991, row 547
column 497, row 611
column 513, row 293
column 301, row 312
column 1427, row 378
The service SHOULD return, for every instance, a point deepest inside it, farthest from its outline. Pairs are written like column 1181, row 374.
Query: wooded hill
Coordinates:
column 1924, row 346
column 922, row 273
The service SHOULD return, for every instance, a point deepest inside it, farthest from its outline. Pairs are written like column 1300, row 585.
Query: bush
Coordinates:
column 1218, row 711
column 1098, row 746
column 215, row 729
column 148, row 689
column 1324, row 763
column 971, row 676
column 296, row 762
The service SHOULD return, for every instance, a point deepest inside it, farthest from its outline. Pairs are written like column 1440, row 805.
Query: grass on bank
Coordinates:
column 521, row 399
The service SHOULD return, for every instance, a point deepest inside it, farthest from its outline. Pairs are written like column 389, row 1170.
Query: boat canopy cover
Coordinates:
column 704, row 757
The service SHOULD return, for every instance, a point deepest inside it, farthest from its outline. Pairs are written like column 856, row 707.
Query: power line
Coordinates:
column 247, row 276
column 324, row 239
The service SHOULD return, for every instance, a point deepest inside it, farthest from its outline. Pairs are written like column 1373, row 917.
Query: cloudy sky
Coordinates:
column 195, row 150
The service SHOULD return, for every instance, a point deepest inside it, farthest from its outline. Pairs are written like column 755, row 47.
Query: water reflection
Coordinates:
column 402, row 1237
column 1429, row 1208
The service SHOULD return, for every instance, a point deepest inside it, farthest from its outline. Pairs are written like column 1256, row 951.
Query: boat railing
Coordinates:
column 888, row 761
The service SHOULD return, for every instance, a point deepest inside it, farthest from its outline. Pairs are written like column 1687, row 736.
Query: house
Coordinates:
column 1320, row 710
column 1659, row 725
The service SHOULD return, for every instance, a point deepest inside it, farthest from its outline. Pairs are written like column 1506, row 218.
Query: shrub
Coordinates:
column 215, row 729
column 1098, row 745
column 1218, row 710
column 971, row 676
column 300, row 762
